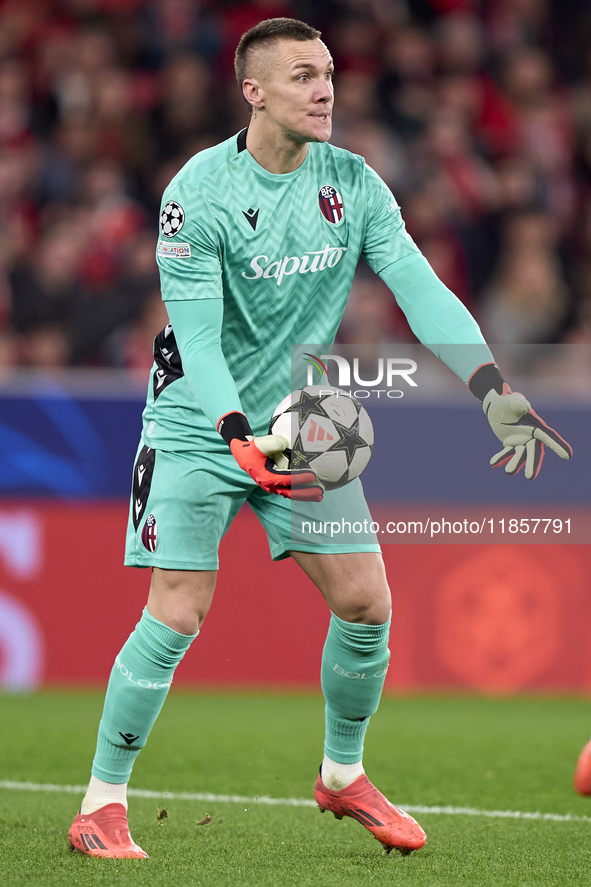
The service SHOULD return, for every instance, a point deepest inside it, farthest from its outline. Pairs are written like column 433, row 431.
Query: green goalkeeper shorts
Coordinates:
column 182, row 504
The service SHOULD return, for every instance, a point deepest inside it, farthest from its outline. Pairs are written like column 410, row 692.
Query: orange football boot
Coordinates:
column 361, row 800
column 104, row 833
column 582, row 776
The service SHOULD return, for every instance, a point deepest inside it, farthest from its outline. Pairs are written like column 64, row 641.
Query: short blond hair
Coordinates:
column 265, row 34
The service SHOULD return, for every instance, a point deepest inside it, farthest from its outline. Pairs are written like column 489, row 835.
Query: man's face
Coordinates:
column 297, row 90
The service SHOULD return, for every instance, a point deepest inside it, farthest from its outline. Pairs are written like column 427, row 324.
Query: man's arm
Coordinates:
column 188, row 256
column 197, row 326
column 436, row 316
column 445, row 326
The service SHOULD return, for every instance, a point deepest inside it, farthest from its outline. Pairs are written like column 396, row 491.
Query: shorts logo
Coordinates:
column 150, row 533
column 172, row 218
column 174, row 250
column 142, row 481
column 331, row 204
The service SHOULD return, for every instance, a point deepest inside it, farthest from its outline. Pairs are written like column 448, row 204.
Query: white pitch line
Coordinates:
column 445, row 810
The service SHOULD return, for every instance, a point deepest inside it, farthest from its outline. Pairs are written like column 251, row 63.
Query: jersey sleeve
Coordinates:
column 189, row 251
column 197, row 326
column 436, row 316
column 189, row 259
column 386, row 239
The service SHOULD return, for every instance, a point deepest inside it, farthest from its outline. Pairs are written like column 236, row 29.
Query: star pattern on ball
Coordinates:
column 349, row 440
column 308, row 405
column 297, row 457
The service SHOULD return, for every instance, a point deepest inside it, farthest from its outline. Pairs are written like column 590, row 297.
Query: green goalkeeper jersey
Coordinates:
column 272, row 257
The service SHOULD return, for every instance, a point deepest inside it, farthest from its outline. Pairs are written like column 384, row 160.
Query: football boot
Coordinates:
column 104, row 833
column 361, row 800
column 582, row 775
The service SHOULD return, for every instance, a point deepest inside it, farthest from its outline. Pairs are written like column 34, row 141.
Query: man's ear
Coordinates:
column 253, row 92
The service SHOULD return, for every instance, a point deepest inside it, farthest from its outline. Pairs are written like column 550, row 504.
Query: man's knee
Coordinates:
column 354, row 585
column 367, row 610
column 181, row 598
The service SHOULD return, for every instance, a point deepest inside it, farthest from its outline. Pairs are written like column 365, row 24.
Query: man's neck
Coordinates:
column 273, row 151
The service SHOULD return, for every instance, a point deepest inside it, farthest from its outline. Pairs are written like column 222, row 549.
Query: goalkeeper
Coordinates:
column 259, row 240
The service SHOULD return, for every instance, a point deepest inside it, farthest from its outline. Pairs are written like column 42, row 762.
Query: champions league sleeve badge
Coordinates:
column 331, row 204
column 172, row 218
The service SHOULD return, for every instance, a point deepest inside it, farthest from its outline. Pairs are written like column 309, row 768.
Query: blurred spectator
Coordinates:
column 544, row 124
column 44, row 294
column 133, row 343
column 528, row 300
column 62, row 159
column 579, row 256
column 186, row 107
column 15, row 102
column 427, row 214
column 18, row 210
column 519, row 186
column 467, row 178
column 581, row 93
column 371, row 315
column 406, row 85
column 516, row 23
column 123, row 132
column 461, row 45
column 180, row 26
column 382, row 150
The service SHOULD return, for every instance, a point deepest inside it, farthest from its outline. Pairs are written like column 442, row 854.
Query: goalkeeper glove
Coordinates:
column 258, row 456
column 518, row 427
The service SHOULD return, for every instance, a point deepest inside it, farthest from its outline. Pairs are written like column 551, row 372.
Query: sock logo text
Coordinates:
column 141, row 682
column 356, row 675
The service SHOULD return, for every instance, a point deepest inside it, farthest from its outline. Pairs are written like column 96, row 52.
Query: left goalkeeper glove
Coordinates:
column 518, row 427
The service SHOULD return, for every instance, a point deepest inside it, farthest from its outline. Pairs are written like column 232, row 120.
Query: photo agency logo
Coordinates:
column 379, row 377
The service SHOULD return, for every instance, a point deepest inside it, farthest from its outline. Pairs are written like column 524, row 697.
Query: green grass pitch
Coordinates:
column 457, row 752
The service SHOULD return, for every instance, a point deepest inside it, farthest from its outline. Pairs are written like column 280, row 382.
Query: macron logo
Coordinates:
column 251, row 217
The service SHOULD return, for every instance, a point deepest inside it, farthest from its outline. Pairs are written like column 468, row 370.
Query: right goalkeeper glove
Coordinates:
column 255, row 456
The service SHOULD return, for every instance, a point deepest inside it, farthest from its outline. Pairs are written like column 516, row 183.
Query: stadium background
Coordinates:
column 478, row 115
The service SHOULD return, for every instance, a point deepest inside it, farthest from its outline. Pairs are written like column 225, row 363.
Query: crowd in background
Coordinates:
column 477, row 114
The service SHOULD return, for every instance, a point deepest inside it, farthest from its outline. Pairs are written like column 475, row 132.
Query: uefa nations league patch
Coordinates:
column 150, row 533
column 172, row 218
column 331, row 204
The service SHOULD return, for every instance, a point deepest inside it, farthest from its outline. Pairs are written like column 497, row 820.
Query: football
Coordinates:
column 327, row 430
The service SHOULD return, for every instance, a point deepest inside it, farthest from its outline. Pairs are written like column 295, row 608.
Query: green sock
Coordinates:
column 138, row 685
column 354, row 665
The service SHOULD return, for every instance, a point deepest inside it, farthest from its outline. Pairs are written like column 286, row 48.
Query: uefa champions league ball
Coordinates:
column 327, row 430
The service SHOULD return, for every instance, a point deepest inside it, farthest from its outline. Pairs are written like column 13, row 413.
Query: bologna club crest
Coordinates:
column 150, row 533
column 331, row 204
